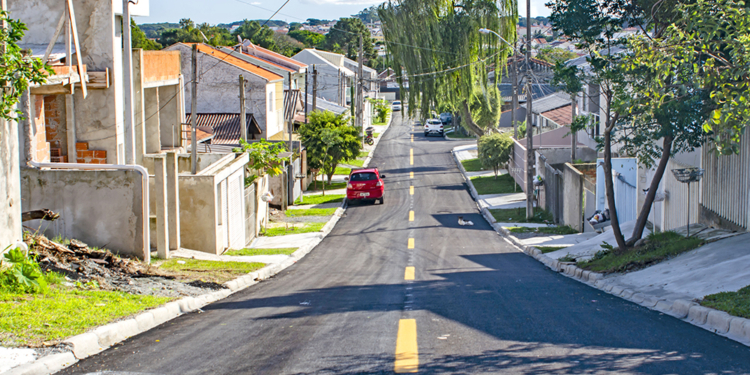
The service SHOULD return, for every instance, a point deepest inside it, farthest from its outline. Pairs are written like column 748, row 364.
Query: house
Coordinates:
column 271, row 61
column 333, row 79
column 551, row 111
column 218, row 87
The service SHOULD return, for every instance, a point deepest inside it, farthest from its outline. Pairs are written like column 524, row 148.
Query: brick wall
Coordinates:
column 90, row 156
column 54, row 121
column 40, row 138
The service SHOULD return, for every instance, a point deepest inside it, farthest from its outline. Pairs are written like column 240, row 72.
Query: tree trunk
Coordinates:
column 609, row 184
column 640, row 224
column 470, row 121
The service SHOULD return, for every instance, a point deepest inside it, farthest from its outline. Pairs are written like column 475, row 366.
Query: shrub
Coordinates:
column 20, row 273
column 495, row 150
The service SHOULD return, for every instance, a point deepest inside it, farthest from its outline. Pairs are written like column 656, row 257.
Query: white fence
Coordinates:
column 725, row 183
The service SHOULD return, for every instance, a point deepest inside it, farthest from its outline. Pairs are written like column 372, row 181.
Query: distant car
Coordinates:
column 433, row 126
column 446, row 118
column 396, row 106
column 365, row 184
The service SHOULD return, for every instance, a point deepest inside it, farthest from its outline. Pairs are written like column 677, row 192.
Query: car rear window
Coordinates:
column 364, row 176
column 434, row 122
column 397, row 102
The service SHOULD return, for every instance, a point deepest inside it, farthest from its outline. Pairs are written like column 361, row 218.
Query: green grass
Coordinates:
column 735, row 303
column 320, row 199
column 375, row 135
column 376, row 122
column 549, row 249
column 311, row 212
column 251, row 252
column 659, row 247
column 363, row 154
column 563, row 230
column 345, row 171
column 459, row 135
column 32, row 319
column 318, row 185
column 472, row 165
column 518, row 215
column 208, row 270
column 503, row 184
column 298, row 228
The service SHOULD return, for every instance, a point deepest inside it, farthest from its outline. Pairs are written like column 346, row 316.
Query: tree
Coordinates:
column 17, row 69
column 567, row 79
column 264, row 158
column 368, row 15
column 555, row 55
column 316, row 22
column 436, row 44
column 285, row 45
column 495, row 150
column 295, row 26
column 188, row 32
column 345, row 34
column 140, row 40
column 329, row 140
column 308, row 38
column 257, row 34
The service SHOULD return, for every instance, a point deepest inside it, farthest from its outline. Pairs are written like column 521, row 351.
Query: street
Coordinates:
column 475, row 305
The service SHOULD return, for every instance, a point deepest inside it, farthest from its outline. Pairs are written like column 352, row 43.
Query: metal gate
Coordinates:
column 235, row 206
column 553, row 184
column 250, row 213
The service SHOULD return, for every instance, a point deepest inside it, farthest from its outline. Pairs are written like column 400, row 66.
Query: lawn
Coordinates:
column 658, row 247
column 35, row 319
column 518, row 215
column 345, row 171
column 376, row 122
column 735, row 303
column 311, row 212
column 459, row 135
column 472, row 165
column 318, row 186
column 297, row 229
column 363, row 154
column 549, row 249
column 563, row 230
column 251, row 252
column 503, row 184
column 208, row 270
column 320, row 199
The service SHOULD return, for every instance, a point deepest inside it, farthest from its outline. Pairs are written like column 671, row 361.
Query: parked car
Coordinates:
column 446, row 118
column 396, row 106
column 433, row 126
column 365, row 184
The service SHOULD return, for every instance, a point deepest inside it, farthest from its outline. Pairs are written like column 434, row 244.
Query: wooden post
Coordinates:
column 315, row 89
column 194, row 113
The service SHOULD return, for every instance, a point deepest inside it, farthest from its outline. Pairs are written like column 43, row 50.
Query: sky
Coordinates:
column 226, row 11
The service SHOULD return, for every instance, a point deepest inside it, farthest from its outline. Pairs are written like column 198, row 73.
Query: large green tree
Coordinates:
column 437, row 46
column 257, row 34
column 140, row 40
column 308, row 38
column 189, row 32
column 344, row 37
column 329, row 140
column 368, row 15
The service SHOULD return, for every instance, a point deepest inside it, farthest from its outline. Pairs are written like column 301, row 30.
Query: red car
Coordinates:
column 365, row 184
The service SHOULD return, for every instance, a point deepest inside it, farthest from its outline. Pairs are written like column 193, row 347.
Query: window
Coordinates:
column 367, row 176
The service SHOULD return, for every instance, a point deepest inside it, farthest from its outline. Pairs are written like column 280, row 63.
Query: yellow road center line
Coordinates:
column 412, row 137
column 411, row 243
column 411, row 215
column 411, row 156
column 411, row 174
column 409, row 273
column 411, row 189
column 407, row 356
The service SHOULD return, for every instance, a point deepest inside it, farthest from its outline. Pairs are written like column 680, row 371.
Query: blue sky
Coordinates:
column 225, row 11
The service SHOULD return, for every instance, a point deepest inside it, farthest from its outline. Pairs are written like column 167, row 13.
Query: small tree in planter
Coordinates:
column 495, row 150
column 264, row 158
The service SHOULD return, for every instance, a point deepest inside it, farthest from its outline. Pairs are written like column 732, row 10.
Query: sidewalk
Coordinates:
column 671, row 287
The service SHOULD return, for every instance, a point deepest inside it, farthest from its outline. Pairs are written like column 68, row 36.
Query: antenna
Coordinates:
column 204, row 36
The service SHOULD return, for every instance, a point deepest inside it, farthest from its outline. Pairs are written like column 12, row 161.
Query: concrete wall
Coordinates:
column 10, row 184
column 101, row 208
column 562, row 155
column 328, row 77
column 101, row 115
column 572, row 197
column 198, row 213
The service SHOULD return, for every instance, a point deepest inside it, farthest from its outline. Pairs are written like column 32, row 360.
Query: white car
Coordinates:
column 433, row 126
column 396, row 106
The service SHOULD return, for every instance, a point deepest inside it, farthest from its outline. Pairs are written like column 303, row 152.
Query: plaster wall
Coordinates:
column 572, row 197
column 10, row 184
column 170, row 117
column 153, row 132
column 198, row 213
column 328, row 77
column 101, row 208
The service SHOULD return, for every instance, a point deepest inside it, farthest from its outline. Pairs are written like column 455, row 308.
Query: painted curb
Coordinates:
column 719, row 322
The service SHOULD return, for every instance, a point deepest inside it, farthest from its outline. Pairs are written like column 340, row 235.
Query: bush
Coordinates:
column 495, row 150
column 20, row 273
column 382, row 109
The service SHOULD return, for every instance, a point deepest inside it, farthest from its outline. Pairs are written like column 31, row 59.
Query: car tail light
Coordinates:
column 441, row 126
column 350, row 186
column 380, row 183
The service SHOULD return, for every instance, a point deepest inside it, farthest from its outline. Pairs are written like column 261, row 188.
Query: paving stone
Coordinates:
column 161, row 315
column 637, row 298
column 650, row 301
column 663, row 306
column 737, row 329
column 718, row 321
column 698, row 314
column 578, row 272
column 627, row 293
column 128, row 328
column 85, row 345
column 616, row 290
column 173, row 308
column 680, row 308
column 145, row 321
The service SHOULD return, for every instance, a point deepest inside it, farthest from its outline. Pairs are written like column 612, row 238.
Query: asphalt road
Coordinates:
column 479, row 305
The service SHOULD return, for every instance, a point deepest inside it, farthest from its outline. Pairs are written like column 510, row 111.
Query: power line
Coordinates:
column 274, row 13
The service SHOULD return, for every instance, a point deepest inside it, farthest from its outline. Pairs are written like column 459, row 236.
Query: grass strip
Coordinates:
column 363, row 154
column 563, row 230
column 549, row 249
column 318, row 185
column 208, row 270
column 735, row 303
column 33, row 319
column 311, row 212
column 320, row 199
column 658, row 247
column 472, row 165
column 503, row 184
column 297, row 229
column 518, row 215
column 252, row 252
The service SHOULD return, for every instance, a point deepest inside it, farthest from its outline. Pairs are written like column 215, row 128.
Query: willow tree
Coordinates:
column 436, row 45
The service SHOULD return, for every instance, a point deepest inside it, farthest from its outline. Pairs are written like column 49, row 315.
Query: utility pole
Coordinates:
column 128, row 77
column 514, row 102
column 194, row 113
column 243, row 116
column 307, row 88
column 573, row 135
column 360, row 93
column 292, row 110
column 290, row 170
column 315, row 89
column 529, row 125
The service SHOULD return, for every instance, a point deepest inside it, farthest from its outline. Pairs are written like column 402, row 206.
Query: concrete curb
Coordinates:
column 377, row 140
column 101, row 338
column 719, row 322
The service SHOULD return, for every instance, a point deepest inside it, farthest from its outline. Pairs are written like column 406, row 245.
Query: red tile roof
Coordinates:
column 278, row 55
column 561, row 116
column 236, row 61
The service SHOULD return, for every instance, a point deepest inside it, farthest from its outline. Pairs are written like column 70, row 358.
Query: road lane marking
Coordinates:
column 412, row 137
column 411, row 215
column 407, row 355
column 409, row 273
column 411, row 174
column 411, row 243
column 411, row 190
column 411, row 156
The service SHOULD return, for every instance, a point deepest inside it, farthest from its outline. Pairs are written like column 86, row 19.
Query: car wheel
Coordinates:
column 442, row 134
column 381, row 200
column 426, row 133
